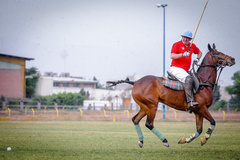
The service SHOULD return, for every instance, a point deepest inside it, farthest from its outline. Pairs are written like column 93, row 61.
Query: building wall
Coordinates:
column 11, row 83
column 44, row 86
column 54, row 85
column 12, row 77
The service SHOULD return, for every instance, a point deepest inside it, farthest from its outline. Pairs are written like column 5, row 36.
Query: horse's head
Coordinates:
column 220, row 58
column 216, row 60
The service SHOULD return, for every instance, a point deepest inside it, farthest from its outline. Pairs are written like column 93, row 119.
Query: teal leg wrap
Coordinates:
column 196, row 134
column 213, row 127
column 139, row 132
column 157, row 133
column 209, row 132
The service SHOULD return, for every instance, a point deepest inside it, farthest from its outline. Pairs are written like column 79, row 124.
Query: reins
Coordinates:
column 216, row 67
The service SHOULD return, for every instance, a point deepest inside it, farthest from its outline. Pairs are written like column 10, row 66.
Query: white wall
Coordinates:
column 47, row 89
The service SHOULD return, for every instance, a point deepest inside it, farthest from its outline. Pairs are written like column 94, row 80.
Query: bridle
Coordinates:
column 217, row 66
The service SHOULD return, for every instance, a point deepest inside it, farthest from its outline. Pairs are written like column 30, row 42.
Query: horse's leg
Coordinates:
column 199, row 124
column 208, row 116
column 203, row 113
column 149, row 124
column 136, row 119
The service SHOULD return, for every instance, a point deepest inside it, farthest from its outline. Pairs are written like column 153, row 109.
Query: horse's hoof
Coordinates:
column 165, row 143
column 140, row 144
column 203, row 141
column 182, row 140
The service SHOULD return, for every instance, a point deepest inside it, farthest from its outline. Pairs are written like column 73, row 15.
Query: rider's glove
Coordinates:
column 196, row 60
column 186, row 54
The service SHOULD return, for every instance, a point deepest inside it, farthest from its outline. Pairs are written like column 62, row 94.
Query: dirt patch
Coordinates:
column 65, row 115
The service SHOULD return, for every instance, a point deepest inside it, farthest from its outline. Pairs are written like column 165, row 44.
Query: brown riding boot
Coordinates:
column 188, row 85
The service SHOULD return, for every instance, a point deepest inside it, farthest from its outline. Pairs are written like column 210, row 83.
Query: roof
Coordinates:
column 68, row 79
column 7, row 55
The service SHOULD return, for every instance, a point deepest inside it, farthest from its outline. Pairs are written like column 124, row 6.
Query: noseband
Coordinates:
column 221, row 61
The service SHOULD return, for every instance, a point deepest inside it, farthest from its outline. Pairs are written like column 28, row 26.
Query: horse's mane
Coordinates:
column 202, row 63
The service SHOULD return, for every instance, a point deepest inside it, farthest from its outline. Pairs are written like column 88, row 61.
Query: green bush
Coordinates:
column 219, row 104
column 64, row 98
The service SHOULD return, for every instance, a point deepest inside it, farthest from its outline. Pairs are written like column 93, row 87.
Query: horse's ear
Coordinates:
column 214, row 46
column 209, row 47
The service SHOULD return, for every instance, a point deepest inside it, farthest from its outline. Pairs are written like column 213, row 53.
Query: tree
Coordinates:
column 219, row 104
column 216, row 94
column 234, row 91
column 31, row 81
column 100, row 86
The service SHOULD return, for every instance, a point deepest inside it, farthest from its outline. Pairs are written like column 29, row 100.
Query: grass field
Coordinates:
column 113, row 140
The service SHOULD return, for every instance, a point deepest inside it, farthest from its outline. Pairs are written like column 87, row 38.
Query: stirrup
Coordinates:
column 192, row 105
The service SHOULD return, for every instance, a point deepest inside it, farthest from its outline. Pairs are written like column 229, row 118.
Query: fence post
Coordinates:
column 4, row 105
column 228, row 106
column 45, row 108
column 81, row 112
column 55, row 105
column 6, row 110
column 21, row 106
column 26, row 109
column 38, row 105
column 104, row 112
column 89, row 107
column 175, row 113
column 57, row 112
column 9, row 110
column 33, row 112
column 223, row 115
column 114, row 119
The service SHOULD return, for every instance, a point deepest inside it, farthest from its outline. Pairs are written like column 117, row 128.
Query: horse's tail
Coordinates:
column 112, row 83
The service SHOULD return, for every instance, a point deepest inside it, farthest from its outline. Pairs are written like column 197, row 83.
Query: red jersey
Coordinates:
column 183, row 62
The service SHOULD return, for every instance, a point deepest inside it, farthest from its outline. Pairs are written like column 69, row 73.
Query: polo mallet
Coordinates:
column 197, row 26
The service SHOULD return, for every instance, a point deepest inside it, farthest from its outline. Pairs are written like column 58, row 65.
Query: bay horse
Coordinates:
column 149, row 91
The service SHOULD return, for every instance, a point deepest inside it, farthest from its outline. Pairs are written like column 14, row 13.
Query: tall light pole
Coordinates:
column 163, row 6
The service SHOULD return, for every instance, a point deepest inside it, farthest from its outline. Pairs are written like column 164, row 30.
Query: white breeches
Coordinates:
column 180, row 73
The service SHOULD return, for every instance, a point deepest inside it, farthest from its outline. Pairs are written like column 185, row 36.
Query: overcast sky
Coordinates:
column 111, row 39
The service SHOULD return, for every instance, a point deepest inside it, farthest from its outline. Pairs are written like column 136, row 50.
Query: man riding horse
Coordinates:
column 148, row 91
column 181, row 61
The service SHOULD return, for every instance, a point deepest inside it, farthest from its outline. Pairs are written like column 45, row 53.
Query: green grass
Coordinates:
column 109, row 140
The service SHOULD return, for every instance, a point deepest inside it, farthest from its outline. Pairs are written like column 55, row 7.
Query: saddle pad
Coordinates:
column 176, row 85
